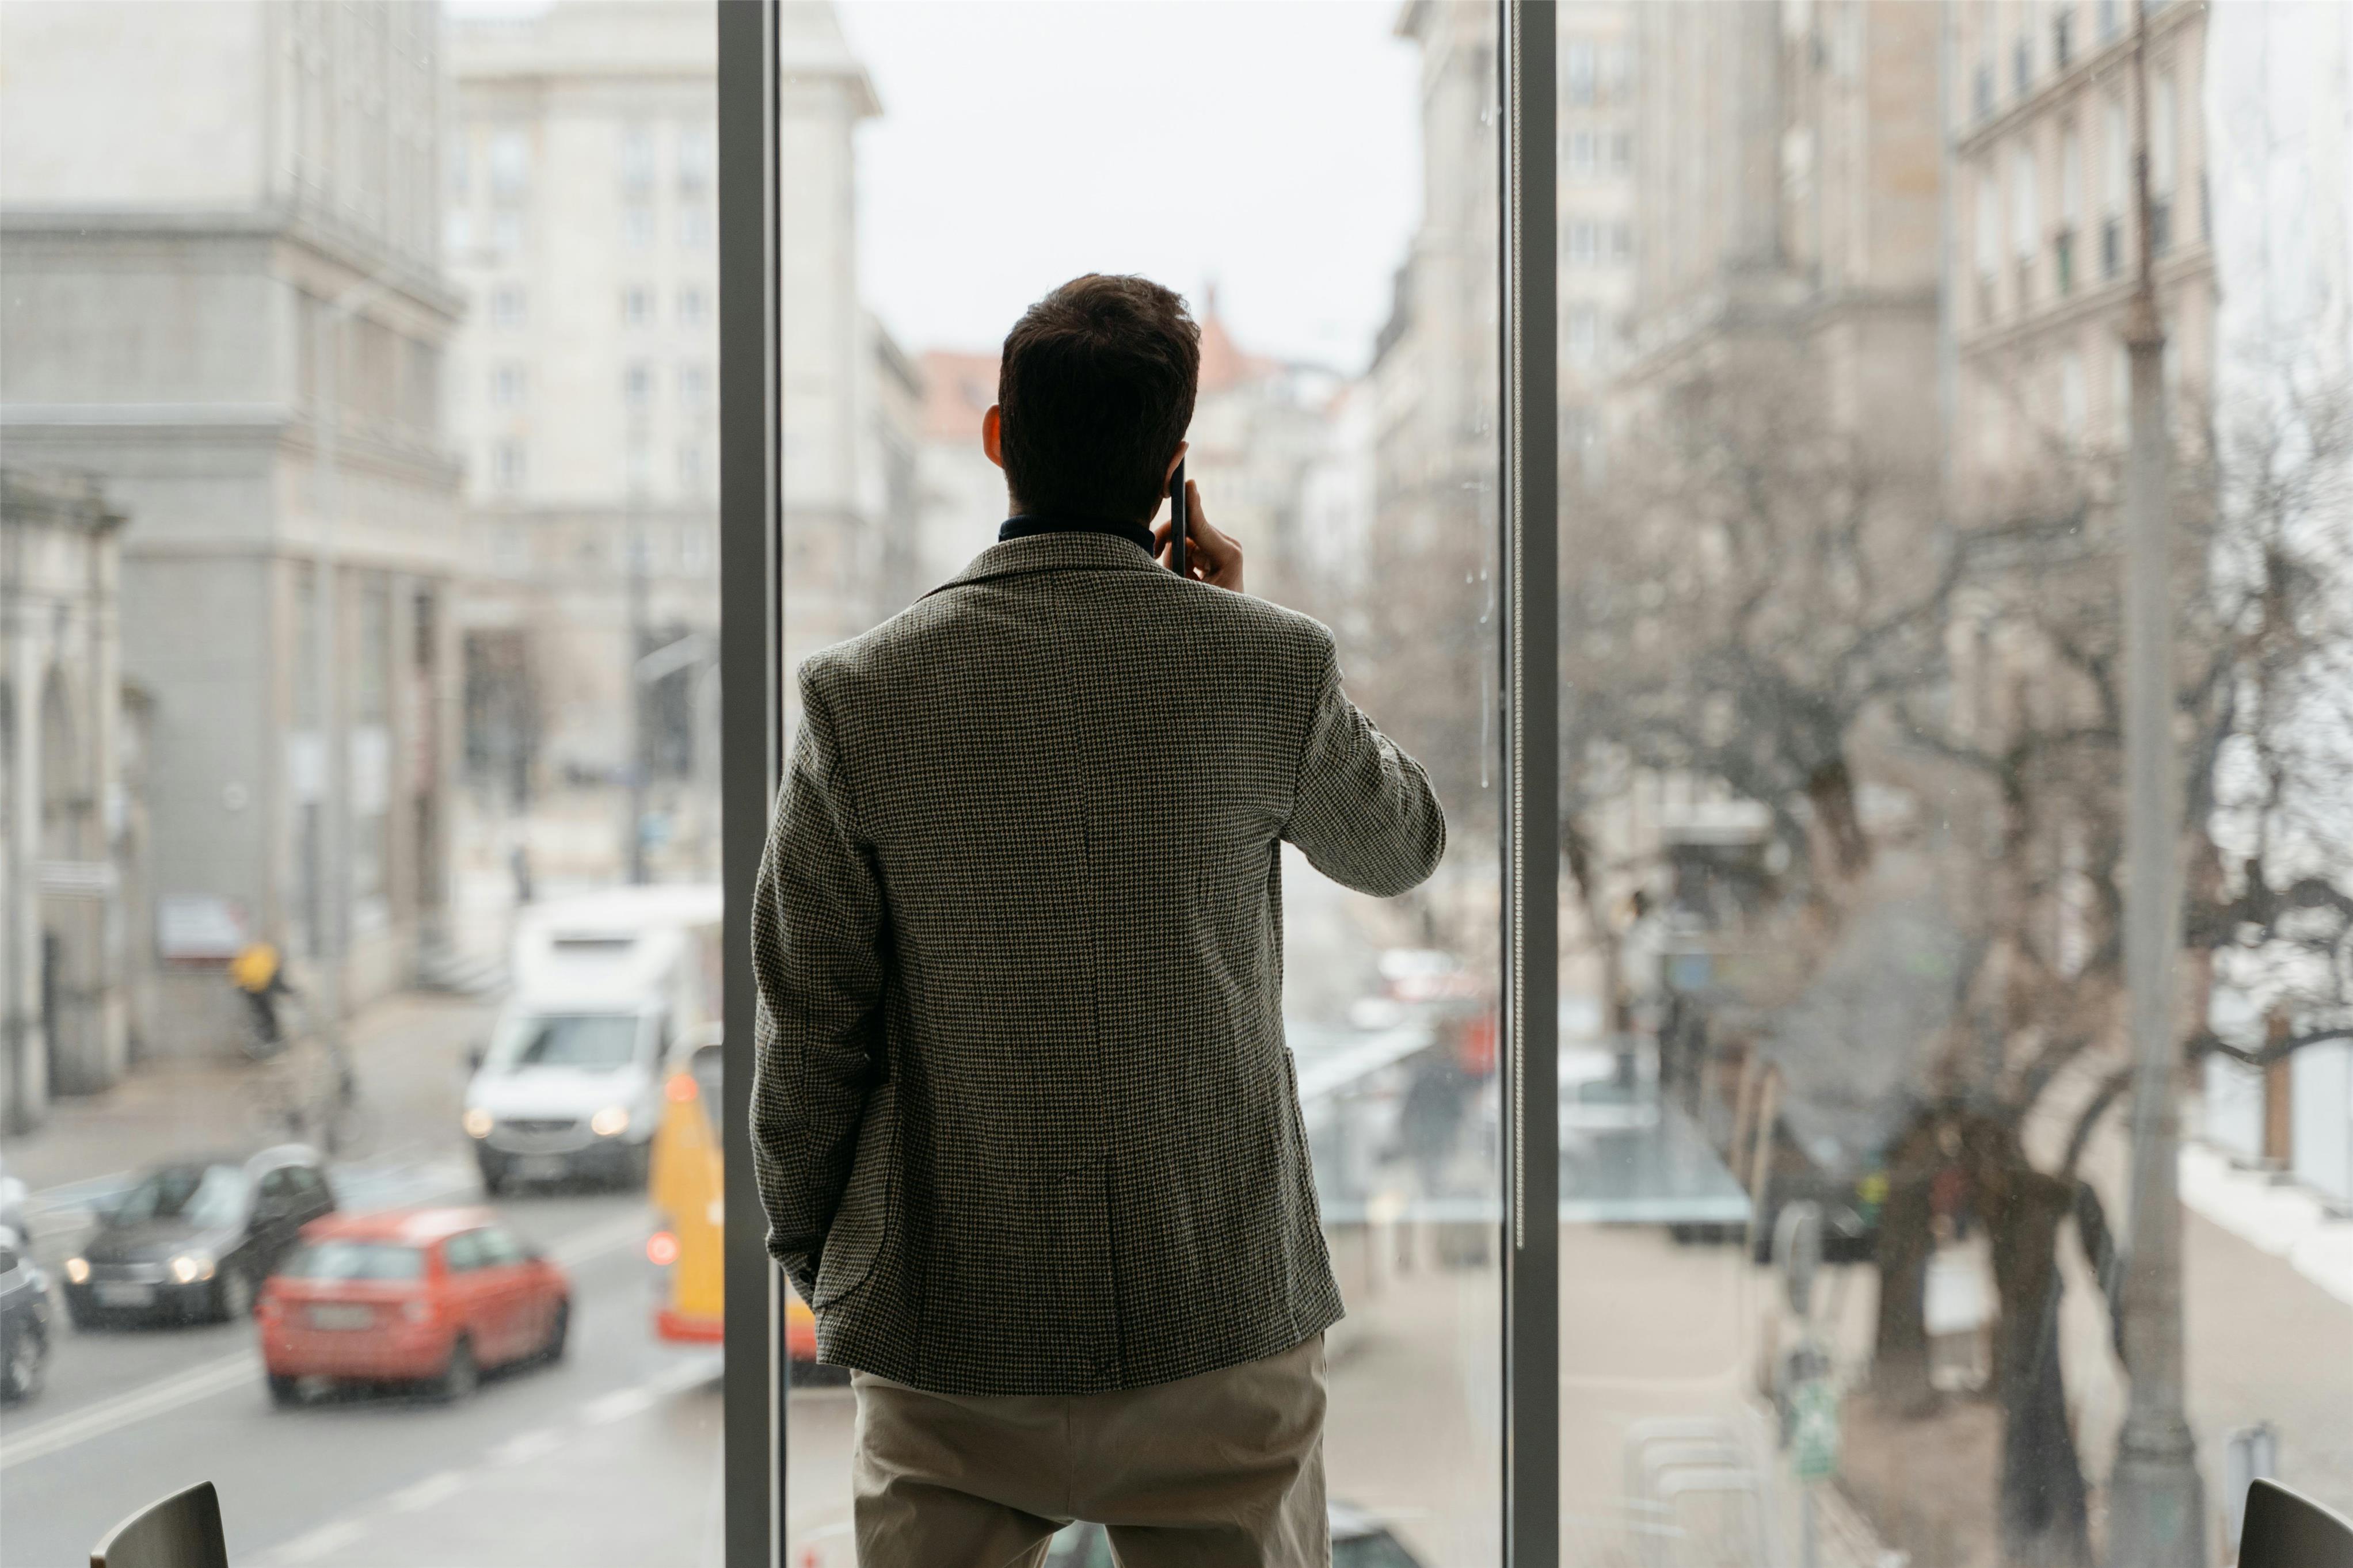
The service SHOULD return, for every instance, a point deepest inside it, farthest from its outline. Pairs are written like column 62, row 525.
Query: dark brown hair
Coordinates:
column 1095, row 390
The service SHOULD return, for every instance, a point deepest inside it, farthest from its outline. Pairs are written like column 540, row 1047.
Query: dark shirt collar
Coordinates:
column 1136, row 534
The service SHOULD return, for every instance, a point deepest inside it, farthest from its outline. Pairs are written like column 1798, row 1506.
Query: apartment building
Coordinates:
column 580, row 191
column 2046, row 232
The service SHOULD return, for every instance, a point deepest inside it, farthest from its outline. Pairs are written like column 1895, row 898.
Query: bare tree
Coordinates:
column 1753, row 601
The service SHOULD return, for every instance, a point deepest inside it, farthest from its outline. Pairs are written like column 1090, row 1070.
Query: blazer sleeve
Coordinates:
column 817, row 965
column 1362, row 810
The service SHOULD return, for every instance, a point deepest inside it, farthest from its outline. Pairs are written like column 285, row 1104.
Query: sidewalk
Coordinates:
column 410, row 1050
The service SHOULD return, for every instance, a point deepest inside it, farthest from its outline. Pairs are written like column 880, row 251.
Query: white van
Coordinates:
column 606, row 987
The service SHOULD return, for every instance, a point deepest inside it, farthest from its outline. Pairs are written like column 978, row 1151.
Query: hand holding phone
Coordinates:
column 1190, row 546
column 1176, row 519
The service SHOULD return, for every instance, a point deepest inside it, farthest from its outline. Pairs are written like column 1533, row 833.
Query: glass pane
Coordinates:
column 360, row 846
column 1331, row 224
column 1856, row 1239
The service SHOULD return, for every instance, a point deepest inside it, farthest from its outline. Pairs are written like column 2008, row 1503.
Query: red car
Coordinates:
column 409, row 1295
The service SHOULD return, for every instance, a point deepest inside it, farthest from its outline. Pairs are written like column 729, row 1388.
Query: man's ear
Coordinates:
column 992, row 435
column 1172, row 466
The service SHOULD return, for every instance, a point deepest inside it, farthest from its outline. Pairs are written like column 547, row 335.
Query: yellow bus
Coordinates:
column 686, row 1184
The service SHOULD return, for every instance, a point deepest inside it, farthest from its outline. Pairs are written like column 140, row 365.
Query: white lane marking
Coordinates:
column 204, row 1381
column 433, row 1490
column 525, row 1446
column 538, row 1442
column 200, row 1382
column 618, row 1406
column 322, row 1542
column 625, row 1231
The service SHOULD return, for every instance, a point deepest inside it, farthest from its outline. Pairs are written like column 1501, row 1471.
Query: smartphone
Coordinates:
column 1176, row 519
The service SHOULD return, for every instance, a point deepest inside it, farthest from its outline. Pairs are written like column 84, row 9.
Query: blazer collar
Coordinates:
column 1052, row 552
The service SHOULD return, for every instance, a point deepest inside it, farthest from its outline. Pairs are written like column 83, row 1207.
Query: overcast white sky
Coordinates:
column 1272, row 145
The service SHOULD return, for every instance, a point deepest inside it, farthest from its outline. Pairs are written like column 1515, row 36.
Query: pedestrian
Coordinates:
column 1027, row 1131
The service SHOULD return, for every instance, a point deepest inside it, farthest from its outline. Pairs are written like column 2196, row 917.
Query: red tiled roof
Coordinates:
column 957, row 390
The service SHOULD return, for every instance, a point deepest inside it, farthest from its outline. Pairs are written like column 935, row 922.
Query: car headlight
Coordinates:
column 190, row 1266
column 611, row 1122
column 78, row 1270
column 476, row 1122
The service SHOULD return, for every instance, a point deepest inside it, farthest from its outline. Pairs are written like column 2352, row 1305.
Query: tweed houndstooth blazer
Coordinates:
column 1024, row 1121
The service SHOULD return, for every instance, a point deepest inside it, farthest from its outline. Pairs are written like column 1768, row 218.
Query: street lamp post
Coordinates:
column 2157, row 1512
column 327, row 420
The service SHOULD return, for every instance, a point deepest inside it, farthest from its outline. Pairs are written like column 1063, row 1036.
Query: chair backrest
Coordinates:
column 2288, row 1529
column 184, row 1531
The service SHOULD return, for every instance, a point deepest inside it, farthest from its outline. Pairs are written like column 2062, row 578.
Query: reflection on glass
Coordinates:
column 1334, row 233
column 1858, row 1254
column 344, row 652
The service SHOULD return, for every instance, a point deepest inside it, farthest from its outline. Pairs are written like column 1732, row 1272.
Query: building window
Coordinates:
column 2061, row 41
column 1621, row 242
column 1583, row 248
column 638, row 467
column 1989, row 236
column 1981, row 91
column 2164, row 128
column 1583, row 163
column 694, row 385
column 694, row 226
column 1622, row 153
column 637, row 306
column 510, row 164
column 689, row 479
column 506, row 307
column 507, row 465
column 506, row 232
column 2107, row 14
column 2071, row 395
column 637, row 228
column 507, row 386
column 1584, row 336
column 2022, row 63
column 694, row 159
column 2025, row 237
column 460, row 165
column 636, row 158
column 1616, row 70
column 690, row 306
column 2062, row 261
column 1577, row 64
column 637, row 385
column 457, row 231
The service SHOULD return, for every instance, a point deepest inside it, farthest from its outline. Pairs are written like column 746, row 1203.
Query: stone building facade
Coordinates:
column 70, row 884
column 225, row 300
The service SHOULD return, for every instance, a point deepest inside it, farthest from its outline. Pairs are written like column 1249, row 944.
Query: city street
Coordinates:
column 611, row 1456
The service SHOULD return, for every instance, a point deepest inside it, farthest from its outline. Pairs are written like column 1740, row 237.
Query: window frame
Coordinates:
column 754, row 1420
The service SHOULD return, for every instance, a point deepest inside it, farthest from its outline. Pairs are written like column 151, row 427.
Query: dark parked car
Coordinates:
column 1358, row 1540
column 13, row 1199
column 194, row 1239
column 24, row 1321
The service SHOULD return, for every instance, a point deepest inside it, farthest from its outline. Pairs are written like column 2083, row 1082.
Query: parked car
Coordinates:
column 13, row 1200
column 193, row 1239
column 434, row 1296
column 23, row 1320
column 1358, row 1540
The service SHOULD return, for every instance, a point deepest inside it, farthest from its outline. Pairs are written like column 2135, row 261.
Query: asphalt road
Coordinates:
column 130, row 1415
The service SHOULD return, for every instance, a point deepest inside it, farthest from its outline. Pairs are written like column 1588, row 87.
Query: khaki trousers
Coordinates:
column 1223, row 1470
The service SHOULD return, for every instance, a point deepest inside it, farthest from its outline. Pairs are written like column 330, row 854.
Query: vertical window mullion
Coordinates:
column 1531, row 686
column 752, row 733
